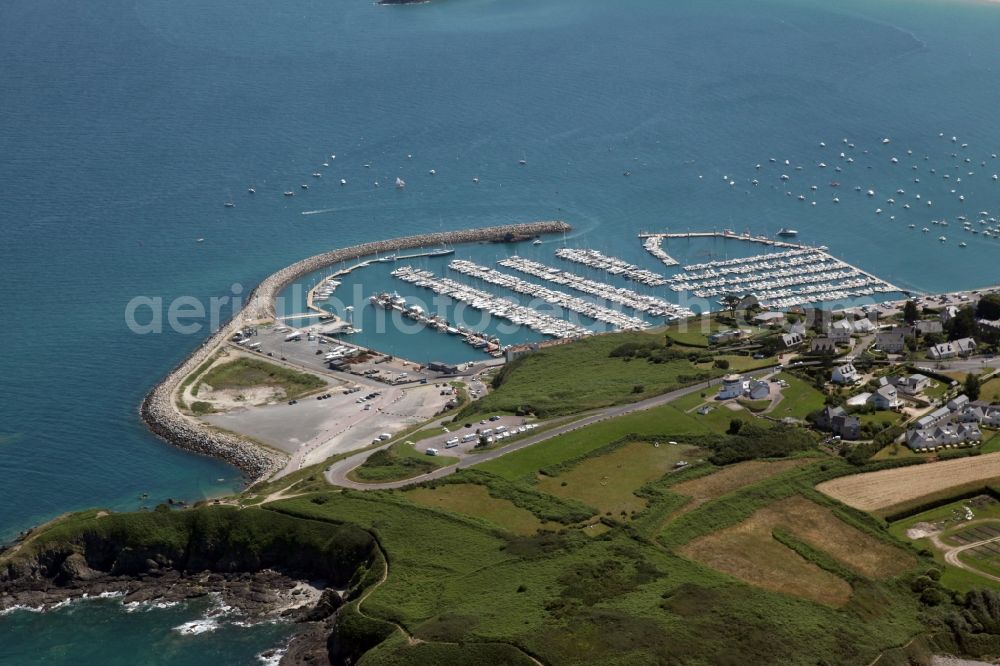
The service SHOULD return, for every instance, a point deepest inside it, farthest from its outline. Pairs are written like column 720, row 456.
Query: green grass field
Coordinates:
column 666, row 421
column 608, row 482
column 582, row 375
column 399, row 461
column 990, row 390
column 252, row 372
column 474, row 500
column 800, row 398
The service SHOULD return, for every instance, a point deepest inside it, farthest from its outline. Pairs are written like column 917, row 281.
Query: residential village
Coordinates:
column 911, row 377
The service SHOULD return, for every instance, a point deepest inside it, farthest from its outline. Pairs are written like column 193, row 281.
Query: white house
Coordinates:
column 792, row 339
column 963, row 347
column 773, row 318
column 886, row 397
column 739, row 386
column 840, row 332
column 983, row 415
column 948, row 434
column 845, row 374
column 958, row 402
column 732, row 387
column 913, row 384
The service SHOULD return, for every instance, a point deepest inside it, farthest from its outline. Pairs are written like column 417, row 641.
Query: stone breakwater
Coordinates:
column 163, row 416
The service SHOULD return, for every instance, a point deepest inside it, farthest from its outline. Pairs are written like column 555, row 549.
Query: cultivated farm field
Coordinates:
column 881, row 490
column 749, row 551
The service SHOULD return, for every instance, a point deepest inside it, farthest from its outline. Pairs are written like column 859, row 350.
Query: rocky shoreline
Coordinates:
column 159, row 408
column 248, row 598
column 254, row 596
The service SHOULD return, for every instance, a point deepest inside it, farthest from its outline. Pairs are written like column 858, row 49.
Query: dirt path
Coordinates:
column 951, row 554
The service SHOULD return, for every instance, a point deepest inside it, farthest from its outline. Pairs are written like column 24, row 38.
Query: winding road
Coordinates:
column 337, row 473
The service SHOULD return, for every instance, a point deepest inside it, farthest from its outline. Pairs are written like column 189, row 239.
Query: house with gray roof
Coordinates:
column 885, row 398
column 963, row 347
column 845, row 374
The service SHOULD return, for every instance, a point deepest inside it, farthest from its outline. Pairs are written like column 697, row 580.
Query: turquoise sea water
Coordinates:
column 125, row 124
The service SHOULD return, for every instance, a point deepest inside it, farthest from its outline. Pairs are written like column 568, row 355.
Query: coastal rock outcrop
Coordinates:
column 159, row 409
column 257, row 564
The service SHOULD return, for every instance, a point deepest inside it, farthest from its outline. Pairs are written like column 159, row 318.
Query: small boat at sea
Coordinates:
column 475, row 179
column 289, row 193
column 251, row 190
column 343, row 181
column 537, row 241
column 787, row 233
column 304, row 186
column 317, row 174
column 229, row 204
column 400, row 183
column 432, row 172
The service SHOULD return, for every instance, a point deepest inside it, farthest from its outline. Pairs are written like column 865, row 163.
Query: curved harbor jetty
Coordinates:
column 160, row 410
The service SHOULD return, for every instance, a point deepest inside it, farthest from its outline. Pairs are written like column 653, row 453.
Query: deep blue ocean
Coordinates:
column 126, row 124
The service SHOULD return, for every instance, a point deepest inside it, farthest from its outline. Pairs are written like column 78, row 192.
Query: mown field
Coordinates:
column 886, row 490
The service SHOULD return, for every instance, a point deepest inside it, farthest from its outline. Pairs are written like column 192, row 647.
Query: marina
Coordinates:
column 566, row 301
column 611, row 265
column 488, row 344
column 651, row 305
column 484, row 302
column 782, row 279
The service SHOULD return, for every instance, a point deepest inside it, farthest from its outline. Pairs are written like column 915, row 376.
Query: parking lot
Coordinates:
column 311, row 351
column 510, row 427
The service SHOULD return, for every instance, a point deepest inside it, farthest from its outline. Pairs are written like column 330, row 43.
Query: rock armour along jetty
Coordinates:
column 159, row 409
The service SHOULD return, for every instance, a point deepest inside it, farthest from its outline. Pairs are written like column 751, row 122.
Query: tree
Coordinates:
column 972, row 386
column 989, row 307
column 934, row 339
column 963, row 324
column 910, row 312
column 731, row 301
column 735, row 425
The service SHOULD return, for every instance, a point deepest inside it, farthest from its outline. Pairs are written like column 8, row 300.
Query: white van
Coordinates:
column 431, row 452
column 384, row 436
column 451, row 443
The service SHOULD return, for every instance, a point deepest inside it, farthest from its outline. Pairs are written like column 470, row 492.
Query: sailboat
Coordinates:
column 400, row 183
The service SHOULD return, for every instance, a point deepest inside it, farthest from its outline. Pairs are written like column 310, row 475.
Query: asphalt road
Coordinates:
column 337, row 473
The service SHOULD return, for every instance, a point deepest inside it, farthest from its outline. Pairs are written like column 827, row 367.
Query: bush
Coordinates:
column 722, row 363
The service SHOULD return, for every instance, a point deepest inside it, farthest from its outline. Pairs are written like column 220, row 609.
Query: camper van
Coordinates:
column 431, row 451
column 451, row 443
